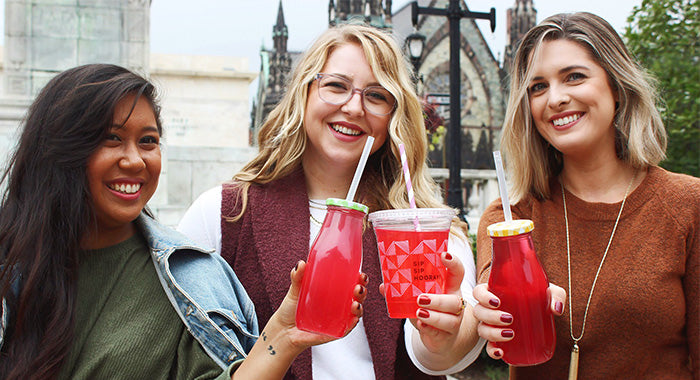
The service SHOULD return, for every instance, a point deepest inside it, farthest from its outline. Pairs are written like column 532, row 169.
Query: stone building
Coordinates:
column 204, row 99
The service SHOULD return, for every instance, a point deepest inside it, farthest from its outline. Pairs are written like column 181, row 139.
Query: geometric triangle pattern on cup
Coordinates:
column 395, row 262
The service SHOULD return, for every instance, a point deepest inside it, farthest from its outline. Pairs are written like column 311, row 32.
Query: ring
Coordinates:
column 463, row 304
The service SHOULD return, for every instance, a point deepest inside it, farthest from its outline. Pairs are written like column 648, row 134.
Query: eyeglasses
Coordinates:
column 336, row 90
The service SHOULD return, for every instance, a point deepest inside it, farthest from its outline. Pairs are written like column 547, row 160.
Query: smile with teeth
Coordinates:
column 125, row 188
column 566, row 120
column 345, row 130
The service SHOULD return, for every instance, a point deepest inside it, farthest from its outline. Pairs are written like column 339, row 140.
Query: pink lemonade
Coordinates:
column 332, row 271
column 519, row 281
column 411, row 265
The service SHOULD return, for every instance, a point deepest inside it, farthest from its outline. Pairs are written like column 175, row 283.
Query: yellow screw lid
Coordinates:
column 512, row 228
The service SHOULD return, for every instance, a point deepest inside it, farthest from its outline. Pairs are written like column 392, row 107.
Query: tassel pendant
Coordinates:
column 573, row 364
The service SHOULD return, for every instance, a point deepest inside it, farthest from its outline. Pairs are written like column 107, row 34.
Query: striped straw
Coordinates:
column 409, row 186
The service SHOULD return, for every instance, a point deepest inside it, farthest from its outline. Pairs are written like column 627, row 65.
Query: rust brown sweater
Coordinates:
column 644, row 318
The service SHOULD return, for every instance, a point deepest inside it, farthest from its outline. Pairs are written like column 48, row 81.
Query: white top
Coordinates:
column 349, row 357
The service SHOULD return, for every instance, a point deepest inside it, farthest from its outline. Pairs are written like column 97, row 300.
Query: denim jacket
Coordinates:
column 202, row 288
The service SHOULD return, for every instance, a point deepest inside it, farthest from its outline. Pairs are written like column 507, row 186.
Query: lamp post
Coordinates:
column 415, row 42
column 454, row 13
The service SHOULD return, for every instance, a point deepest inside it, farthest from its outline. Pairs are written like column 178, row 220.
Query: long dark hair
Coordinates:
column 46, row 210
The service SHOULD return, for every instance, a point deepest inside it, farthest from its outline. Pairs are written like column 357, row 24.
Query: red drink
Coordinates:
column 519, row 281
column 410, row 242
column 332, row 271
column 411, row 266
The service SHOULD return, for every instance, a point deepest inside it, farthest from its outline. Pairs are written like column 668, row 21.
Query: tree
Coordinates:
column 664, row 36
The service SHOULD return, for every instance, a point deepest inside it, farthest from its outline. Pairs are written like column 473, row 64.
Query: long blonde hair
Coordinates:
column 282, row 138
column 639, row 130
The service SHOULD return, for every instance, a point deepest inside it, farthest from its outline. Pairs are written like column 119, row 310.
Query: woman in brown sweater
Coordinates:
column 582, row 139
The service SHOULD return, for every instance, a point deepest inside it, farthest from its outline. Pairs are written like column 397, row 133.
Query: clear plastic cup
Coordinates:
column 410, row 258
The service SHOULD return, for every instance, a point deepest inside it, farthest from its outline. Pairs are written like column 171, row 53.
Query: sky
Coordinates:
column 240, row 27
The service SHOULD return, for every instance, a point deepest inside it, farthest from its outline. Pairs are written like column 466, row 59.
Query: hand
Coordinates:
column 281, row 341
column 446, row 331
column 493, row 323
column 440, row 315
column 287, row 310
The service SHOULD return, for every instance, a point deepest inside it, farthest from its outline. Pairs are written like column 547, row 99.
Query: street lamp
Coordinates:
column 454, row 131
column 415, row 42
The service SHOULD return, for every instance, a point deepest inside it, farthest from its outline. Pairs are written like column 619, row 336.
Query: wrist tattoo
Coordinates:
column 264, row 336
column 271, row 350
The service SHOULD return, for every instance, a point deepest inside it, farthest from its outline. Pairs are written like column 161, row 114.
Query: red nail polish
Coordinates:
column 494, row 302
column 559, row 307
column 506, row 318
column 507, row 333
column 498, row 353
column 365, row 277
column 422, row 313
column 296, row 266
column 448, row 256
column 424, row 300
column 362, row 289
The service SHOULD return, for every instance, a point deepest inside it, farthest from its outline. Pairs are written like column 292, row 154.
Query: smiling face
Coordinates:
column 337, row 133
column 571, row 100
column 123, row 172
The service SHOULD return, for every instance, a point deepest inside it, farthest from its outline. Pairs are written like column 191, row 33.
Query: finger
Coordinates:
column 357, row 309
column 359, row 293
column 495, row 334
column 442, row 321
column 492, row 317
column 381, row 290
column 557, row 298
column 455, row 273
column 446, row 303
column 297, row 276
column 485, row 297
column 364, row 279
column 494, row 353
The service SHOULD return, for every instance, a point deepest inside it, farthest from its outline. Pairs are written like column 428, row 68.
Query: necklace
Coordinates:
column 318, row 206
column 315, row 220
column 573, row 364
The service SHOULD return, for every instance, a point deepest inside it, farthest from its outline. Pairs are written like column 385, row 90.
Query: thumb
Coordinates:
column 297, row 276
column 455, row 273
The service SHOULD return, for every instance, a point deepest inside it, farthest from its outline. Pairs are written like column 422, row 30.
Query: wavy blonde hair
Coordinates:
column 282, row 138
column 639, row 130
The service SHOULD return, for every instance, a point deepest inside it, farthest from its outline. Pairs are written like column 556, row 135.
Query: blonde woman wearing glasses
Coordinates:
column 352, row 83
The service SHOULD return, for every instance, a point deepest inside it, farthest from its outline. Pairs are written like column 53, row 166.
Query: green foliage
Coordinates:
column 664, row 35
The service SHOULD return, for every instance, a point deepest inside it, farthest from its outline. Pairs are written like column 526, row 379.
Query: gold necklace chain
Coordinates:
column 315, row 220
column 318, row 206
column 573, row 365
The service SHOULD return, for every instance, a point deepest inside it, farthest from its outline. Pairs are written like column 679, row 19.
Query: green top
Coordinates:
column 347, row 204
column 125, row 326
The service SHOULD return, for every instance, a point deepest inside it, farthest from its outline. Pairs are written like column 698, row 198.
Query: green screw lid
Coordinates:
column 347, row 204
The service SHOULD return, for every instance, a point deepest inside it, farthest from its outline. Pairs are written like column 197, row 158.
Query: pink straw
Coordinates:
column 409, row 186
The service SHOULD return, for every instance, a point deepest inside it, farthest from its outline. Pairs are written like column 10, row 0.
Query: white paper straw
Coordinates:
column 500, row 173
column 360, row 168
column 409, row 186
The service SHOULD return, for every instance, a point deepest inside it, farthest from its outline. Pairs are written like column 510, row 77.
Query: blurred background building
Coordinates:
column 211, row 123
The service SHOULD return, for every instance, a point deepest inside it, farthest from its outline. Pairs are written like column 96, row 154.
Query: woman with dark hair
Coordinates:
column 583, row 140
column 92, row 286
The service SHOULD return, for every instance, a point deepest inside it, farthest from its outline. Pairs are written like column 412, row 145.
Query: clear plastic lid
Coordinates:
column 430, row 219
column 511, row 228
